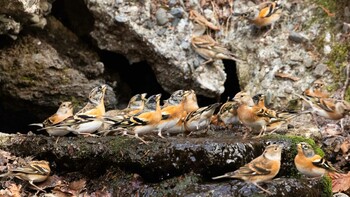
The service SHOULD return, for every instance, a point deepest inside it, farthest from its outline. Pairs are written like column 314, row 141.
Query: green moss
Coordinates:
column 296, row 140
column 327, row 186
column 169, row 187
column 337, row 59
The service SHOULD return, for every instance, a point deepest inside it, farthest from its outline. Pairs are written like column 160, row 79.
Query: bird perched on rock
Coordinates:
column 263, row 168
column 143, row 122
column 277, row 119
column 64, row 111
column 227, row 114
column 266, row 13
column 311, row 164
column 200, row 118
column 251, row 115
column 90, row 117
column 210, row 50
column 135, row 105
column 317, row 90
column 190, row 104
column 327, row 107
column 33, row 172
column 173, row 110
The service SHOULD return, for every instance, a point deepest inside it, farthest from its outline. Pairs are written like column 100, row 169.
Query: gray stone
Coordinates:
column 177, row 12
column 320, row 70
column 162, row 17
column 297, row 37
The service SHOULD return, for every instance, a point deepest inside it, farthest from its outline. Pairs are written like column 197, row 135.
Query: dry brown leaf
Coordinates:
column 15, row 190
column 327, row 11
column 345, row 146
column 12, row 191
column 340, row 182
column 286, row 76
column 51, row 182
column 77, row 185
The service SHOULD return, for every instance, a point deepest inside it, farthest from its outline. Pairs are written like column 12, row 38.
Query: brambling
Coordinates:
column 317, row 90
column 251, row 115
column 173, row 111
column 210, row 50
column 190, row 104
column 266, row 13
column 200, row 118
column 90, row 117
column 33, row 172
column 263, row 168
column 228, row 113
column 135, row 105
column 327, row 107
column 64, row 111
column 277, row 119
column 144, row 122
column 310, row 164
column 174, row 99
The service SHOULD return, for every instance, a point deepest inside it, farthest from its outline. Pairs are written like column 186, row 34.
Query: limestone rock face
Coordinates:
column 130, row 28
column 46, row 68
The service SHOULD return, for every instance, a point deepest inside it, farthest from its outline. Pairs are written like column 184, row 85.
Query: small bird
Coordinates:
column 266, row 13
column 90, row 117
column 64, row 111
column 144, row 122
column 277, row 119
column 310, row 164
column 189, row 106
column 228, row 113
column 327, row 107
column 173, row 111
column 200, row 118
column 263, row 168
column 250, row 114
column 135, row 105
column 317, row 90
column 33, row 172
column 210, row 50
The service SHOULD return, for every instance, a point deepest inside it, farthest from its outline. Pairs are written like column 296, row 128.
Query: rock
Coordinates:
column 171, row 59
column 161, row 16
column 159, row 166
column 40, row 70
column 320, row 70
column 177, row 12
column 23, row 12
column 298, row 37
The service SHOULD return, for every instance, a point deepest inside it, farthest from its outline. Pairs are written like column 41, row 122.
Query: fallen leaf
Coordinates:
column 15, row 190
column 77, row 185
column 329, row 13
column 286, row 76
column 340, row 182
column 51, row 182
column 11, row 191
column 345, row 146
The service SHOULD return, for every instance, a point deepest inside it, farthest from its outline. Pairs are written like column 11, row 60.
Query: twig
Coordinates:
column 346, row 84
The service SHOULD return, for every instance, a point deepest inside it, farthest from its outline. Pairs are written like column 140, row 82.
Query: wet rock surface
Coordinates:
column 181, row 166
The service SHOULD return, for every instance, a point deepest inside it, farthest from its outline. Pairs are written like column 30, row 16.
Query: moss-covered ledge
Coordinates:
column 162, row 160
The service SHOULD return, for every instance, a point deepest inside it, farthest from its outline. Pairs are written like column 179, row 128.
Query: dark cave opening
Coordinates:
column 231, row 84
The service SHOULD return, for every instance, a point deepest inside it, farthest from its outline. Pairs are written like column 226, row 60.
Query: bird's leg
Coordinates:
column 138, row 137
column 36, row 187
column 160, row 133
column 265, row 190
column 268, row 31
column 208, row 61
